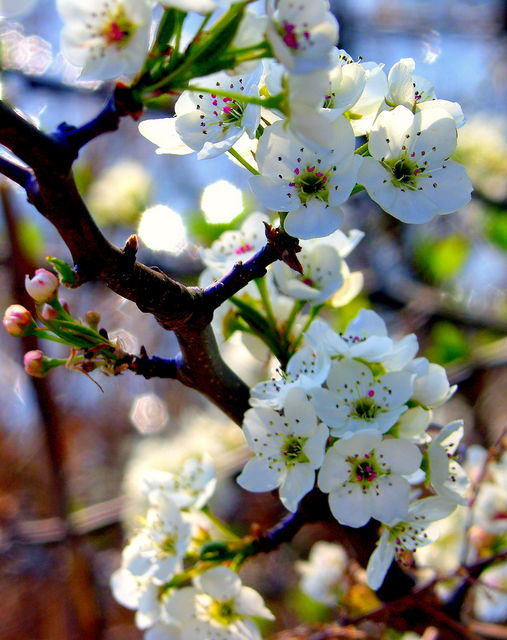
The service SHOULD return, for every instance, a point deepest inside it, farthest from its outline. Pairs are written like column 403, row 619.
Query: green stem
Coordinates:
column 242, row 161
column 220, row 525
column 296, row 309
column 41, row 333
column 361, row 150
column 205, row 21
column 266, row 302
column 311, row 317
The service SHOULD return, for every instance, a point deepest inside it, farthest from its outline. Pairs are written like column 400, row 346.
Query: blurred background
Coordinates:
column 67, row 446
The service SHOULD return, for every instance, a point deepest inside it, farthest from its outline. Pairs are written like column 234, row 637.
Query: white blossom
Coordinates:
column 324, row 272
column 192, row 486
column 363, row 112
column 287, row 449
column 446, row 475
column 354, row 400
column 306, row 369
column 409, row 173
column 415, row 92
column 365, row 337
column 217, row 606
column 236, row 246
column 401, row 536
column 431, row 386
column 210, row 124
column 307, row 184
column 363, row 475
column 490, row 594
column 160, row 545
column 323, row 575
column 107, row 38
column 301, row 33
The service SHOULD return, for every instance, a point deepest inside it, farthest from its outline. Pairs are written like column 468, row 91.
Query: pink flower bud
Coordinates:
column 48, row 313
column 17, row 320
column 34, row 363
column 42, row 287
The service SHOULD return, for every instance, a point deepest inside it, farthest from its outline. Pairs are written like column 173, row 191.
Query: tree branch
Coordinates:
column 280, row 246
column 15, row 172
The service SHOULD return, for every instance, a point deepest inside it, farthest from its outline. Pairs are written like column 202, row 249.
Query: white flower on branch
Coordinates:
column 158, row 549
column 287, row 449
column 415, row 92
column 210, row 123
column 306, row 369
column 309, row 185
column 355, row 400
column 446, row 475
column 365, row 337
column 107, row 38
column 217, row 606
column 405, row 536
column 302, row 34
column 409, row 173
column 363, row 475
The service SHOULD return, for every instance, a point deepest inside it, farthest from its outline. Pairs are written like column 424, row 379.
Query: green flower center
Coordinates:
column 168, row 545
column 365, row 409
column 292, row 450
column 223, row 612
column 311, row 183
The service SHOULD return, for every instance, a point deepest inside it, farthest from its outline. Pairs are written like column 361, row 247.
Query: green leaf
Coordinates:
column 441, row 259
column 496, row 228
column 68, row 276
column 448, row 343
column 31, row 239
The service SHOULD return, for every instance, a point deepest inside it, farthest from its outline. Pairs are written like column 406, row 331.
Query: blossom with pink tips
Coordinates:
column 17, row 320
column 43, row 286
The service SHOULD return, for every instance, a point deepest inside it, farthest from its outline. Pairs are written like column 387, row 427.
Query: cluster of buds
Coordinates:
column 91, row 349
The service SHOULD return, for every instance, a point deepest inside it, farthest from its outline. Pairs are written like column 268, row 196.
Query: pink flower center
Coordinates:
column 289, row 35
column 244, row 248
column 114, row 33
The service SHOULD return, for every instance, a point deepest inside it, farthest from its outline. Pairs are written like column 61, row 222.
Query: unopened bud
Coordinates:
column 34, row 363
column 92, row 318
column 18, row 320
column 38, row 365
column 48, row 313
column 43, row 286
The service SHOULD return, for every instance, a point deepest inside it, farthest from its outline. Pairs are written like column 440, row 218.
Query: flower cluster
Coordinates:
column 316, row 102
column 171, row 572
column 355, row 407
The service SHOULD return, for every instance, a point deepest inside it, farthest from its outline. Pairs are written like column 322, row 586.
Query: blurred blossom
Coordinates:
column 120, row 193
column 221, row 202
column 149, row 413
column 482, row 148
column 162, row 229
column 30, row 54
column 126, row 340
column 201, row 431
